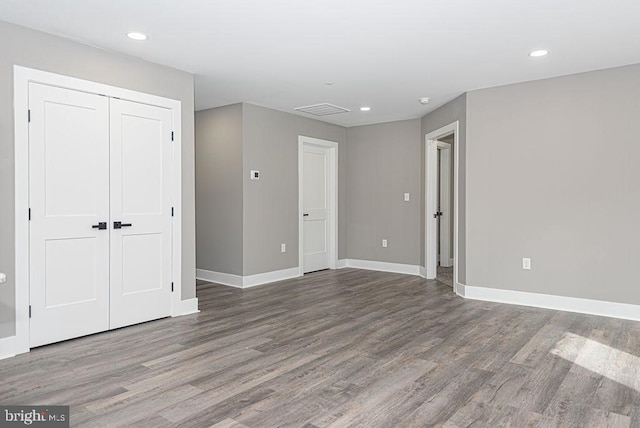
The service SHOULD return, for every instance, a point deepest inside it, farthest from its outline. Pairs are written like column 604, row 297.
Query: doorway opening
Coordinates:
column 441, row 213
column 444, row 231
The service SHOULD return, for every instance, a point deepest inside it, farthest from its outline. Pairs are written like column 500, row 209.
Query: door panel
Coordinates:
column 141, row 201
column 142, row 167
column 141, row 274
column 79, row 255
column 68, row 193
column 315, row 232
column 315, row 201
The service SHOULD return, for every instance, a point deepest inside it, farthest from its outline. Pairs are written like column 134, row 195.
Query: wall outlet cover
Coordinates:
column 526, row 263
column 255, row 174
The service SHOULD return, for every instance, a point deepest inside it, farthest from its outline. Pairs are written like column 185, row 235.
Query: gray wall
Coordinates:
column 552, row 169
column 219, row 173
column 449, row 113
column 270, row 205
column 34, row 49
column 383, row 163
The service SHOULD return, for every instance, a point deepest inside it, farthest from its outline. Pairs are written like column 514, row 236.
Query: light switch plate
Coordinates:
column 406, row 197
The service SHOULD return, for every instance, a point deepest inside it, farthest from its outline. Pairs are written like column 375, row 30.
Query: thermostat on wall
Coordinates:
column 255, row 175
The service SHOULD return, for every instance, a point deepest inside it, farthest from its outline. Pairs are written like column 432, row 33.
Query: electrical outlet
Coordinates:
column 384, row 243
column 406, row 197
column 255, row 175
column 526, row 263
column 283, row 248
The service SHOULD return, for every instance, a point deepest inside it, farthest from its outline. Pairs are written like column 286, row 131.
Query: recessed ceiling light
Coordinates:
column 424, row 100
column 137, row 36
column 541, row 52
column 365, row 108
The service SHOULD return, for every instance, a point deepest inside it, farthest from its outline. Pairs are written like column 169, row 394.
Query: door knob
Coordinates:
column 101, row 226
column 120, row 225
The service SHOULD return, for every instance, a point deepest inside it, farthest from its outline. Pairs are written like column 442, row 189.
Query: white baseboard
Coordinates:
column 219, row 278
column 249, row 280
column 548, row 301
column 342, row 263
column 446, row 263
column 8, row 347
column 423, row 271
column 267, row 277
column 380, row 266
column 186, row 307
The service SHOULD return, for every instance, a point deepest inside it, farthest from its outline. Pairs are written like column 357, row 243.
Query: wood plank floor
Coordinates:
column 342, row 348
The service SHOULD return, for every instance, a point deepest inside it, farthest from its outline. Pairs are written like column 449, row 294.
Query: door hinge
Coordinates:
column 171, row 135
column 171, row 211
column 172, row 287
column 29, row 214
column 29, row 115
column 29, row 311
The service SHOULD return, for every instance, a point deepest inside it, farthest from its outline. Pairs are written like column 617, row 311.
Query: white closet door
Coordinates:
column 315, row 202
column 141, row 203
column 69, row 194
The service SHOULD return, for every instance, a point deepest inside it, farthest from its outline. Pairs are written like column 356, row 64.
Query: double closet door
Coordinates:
column 100, row 213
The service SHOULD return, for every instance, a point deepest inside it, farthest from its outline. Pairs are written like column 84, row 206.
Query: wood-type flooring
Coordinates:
column 342, row 348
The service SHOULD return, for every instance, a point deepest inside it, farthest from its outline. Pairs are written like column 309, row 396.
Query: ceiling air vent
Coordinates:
column 323, row 109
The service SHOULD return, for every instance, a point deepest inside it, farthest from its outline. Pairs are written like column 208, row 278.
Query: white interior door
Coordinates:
column 140, row 213
column 316, row 208
column 69, row 198
column 444, row 211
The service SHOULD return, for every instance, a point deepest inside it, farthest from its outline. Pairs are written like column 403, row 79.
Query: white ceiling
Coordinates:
column 380, row 53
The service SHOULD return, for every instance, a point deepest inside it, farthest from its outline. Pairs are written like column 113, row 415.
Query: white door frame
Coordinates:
column 333, row 199
column 444, row 171
column 431, row 183
column 22, row 76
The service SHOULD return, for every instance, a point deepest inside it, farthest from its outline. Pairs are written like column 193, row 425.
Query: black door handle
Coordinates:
column 101, row 226
column 120, row 225
column 305, row 215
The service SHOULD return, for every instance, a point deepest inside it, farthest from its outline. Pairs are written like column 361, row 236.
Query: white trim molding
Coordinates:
column 247, row 281
column 268, row 277
column 549, row 301
column 186, row 307
column 381, row 266
column 219, row 278
column 8, row 347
